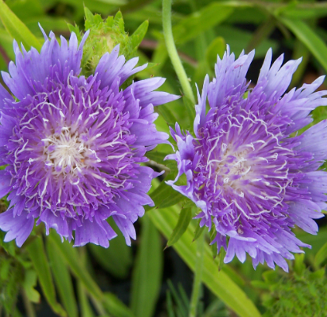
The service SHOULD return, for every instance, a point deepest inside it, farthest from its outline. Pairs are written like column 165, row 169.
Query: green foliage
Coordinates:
column 193, row 25
column 183, row 221
column 16, row 28
column 297, row 294
column 178, row 304
column 117, row 259
column 105, row 35
column 41, row 266
column 147, row 273
column 11, row 276
column 62, row 278
column 321, row 256
column 218, row 282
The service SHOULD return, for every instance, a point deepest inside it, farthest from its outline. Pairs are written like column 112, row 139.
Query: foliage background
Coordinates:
column 49, row 278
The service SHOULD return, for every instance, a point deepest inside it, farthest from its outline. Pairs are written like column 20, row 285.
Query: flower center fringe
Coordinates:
column 246, row 165
column 67, row 152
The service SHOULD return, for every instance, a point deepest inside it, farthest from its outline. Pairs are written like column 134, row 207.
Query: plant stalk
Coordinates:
column 200, row 244
column 172, row 51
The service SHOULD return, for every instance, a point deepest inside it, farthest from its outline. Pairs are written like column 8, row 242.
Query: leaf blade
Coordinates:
column 137, row 37
column 183, row 221
column 40, row 263
column 200, row 21
column 309, row 38
column 17, row 29
column 62, row 279
column 147, row 273
column 218, row 282
column 76, row 267
column 321, row 256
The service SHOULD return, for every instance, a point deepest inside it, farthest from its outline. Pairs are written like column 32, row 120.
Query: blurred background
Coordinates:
column 145, row 280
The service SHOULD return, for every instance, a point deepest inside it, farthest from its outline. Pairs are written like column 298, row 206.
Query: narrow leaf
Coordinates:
column 198, row 231
column 190, row 111
column 321, row 256
column 71, row 257
column 218, row 282
column 164, row 196
column 200, row 21
column 147, row 272
column 116, row 259
column 29, row 284
column 17, row 29
column 156, row 156
column 182, row 224
column 309, row 38
column 138, row 35
column 85, row 307
column 115, row 307
column 62, row 279
column 40, row 263
column 216, row 47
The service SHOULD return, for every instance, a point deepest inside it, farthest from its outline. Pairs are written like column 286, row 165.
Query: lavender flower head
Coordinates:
column 72, row 145
column 252, row 179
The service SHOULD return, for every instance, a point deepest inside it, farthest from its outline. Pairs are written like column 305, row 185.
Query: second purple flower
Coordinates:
column 247, row 171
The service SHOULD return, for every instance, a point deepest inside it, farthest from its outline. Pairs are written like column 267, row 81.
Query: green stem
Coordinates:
column 86, row 310
column 200, row 246
column 95, row 299
column 261, row 33
column 28, row 305
column 172, row 51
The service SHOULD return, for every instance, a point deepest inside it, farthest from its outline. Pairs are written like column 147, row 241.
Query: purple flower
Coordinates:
column 72, row 145
column 247, row 171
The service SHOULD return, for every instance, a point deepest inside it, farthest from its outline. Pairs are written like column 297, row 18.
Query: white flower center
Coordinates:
column 233, row 167
column 67, row 152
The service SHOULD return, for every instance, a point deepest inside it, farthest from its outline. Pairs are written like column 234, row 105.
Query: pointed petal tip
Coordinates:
column 43, row 32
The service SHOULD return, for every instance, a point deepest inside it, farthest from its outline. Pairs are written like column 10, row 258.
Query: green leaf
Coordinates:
column 321, row 256
column 218, row 282
column 156, row 156
column 184, row 220
column 138, row 35
column 147, row 272
column 47, row 23
column 116, row 259
column 134, row 5
column 26, row 9
column 72, row 258
column 198, row 231
column 62, row 278
column 309, row 38
column 216, row 47
column 115, row 307
column 160, row 55
column 308, row 11
column 316, row 242
column 190, row 111
column 40, row 263
column 77, row 267
column 29, row 284
column 11, row 278
column 75, row 29
column 10, row 246
column 200, row 21
column 89, row 18
column 299, row 266
column 182, row 304
column 164, row 196
column 85, row 307
column 17, row 29
column 238, row 39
